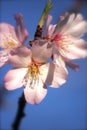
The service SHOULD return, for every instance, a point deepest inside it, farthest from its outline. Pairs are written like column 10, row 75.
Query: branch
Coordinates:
column 20, row 112
column 45, row 12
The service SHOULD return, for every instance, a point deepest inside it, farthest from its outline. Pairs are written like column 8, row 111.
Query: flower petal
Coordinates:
column 57, row 76
column 14, row 78
column 78, row 30
column 72, row 24
column 41, row 50
column 36, row 94
column 72, row 65
column 46, row 25
column 77, row 50
column 21, row 32
column 51, row 30
column 53, row 75
column 61, row 24
column 8, row 38
column 20, row 57
column 3, row 57
column 78, row 27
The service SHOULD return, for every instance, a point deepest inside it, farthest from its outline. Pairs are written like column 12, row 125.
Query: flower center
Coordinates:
column 32, row 76
column 63, row 42
column 33, row 70
column 11, row 43
column 57, row 38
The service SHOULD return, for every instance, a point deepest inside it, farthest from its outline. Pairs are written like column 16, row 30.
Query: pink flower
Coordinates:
column 11, row 37
column 66, row 37
column 33, row 74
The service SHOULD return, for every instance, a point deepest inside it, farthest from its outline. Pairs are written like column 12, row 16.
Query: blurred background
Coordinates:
column 62, row 109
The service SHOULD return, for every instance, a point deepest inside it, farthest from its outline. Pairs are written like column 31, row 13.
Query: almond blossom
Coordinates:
column 11, row 37
column 66, row 37
column 33, row 74
column 32, row 69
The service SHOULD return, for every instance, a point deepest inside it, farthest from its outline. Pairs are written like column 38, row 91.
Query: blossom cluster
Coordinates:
column 45, row 62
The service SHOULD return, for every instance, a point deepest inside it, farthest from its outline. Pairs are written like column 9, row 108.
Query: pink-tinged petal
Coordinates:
column 20, row 57
column 59, row 60
column 57, row 75
column 64, row 16
column 75, row 50
column 2, row 64
column 44, row 70
column 69, row 19
column 14, row 78
column 8, row 38
column 77, row 30
column 46, row 25
column 51, row 30
column 36, row 94
column 77, row 27
column 62, row 24
column 41, row 50
column 3, row 57
column 71, row 24
column 72, row 65
column 53, row 75
column 21, row 31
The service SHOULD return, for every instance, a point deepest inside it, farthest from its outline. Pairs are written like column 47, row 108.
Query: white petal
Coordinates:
column 51, row 29
column 20, row 57
column 20, row 29
column 46, row 25
column 36, row 94
column 72, row 25
column 69, row 22
column 8, row 38
column 41, row 51
column 44, row 70
column 14, row 78
column 3, row 57
column 53, row 74
column 58, row 75
column 63, row 25
column 77, row 50
column 78, row 30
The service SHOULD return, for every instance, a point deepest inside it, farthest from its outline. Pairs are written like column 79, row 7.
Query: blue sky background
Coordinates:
column 62, row 109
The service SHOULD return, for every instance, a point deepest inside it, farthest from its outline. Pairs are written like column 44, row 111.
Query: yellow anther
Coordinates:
column 33, row 71
column 12, row 44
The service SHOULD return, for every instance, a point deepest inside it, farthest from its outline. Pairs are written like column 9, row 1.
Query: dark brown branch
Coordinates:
column 20, row 113
column 38, row 33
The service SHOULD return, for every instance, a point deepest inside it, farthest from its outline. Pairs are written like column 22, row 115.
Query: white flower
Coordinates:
column 34, row 75
column 66, row 38
column 11, row 37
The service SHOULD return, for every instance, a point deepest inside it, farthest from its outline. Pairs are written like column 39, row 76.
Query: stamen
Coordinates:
column 32, row 76
column 11, row 43
column 63, row 42
column 57, row 38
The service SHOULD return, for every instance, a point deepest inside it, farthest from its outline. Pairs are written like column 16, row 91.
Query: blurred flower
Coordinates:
column 33, row 74
column 3, row 57
column 11, row 37
column 66, row 37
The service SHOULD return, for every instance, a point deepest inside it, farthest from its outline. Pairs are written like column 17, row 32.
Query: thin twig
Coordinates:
column 20, row 112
